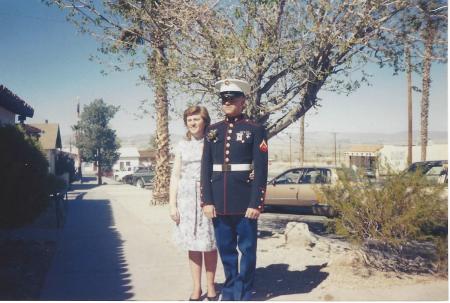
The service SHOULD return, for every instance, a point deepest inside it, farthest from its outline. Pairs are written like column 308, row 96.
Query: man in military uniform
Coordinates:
column 232, row 149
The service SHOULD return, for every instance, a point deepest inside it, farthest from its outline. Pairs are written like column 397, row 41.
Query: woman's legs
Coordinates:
column 210, row 266
column 195, row 263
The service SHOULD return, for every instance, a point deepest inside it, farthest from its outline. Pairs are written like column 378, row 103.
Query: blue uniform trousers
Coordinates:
column 234, row 231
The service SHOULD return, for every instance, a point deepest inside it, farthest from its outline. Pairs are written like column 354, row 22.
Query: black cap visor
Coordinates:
column 230, row 95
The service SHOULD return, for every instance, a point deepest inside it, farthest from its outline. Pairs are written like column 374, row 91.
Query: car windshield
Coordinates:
column 427, row 168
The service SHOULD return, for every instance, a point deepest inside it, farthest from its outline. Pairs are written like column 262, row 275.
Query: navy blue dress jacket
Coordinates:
column 235, row 140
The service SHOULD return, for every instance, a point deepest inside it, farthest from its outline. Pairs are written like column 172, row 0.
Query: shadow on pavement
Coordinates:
column 276, row 280
column 83, row 186
column 89, row 263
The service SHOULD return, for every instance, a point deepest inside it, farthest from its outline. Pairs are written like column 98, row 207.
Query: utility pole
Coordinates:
column 335, row 155
column 409, row 87
column 77, row 138
column 339, row 153
column 302, row 140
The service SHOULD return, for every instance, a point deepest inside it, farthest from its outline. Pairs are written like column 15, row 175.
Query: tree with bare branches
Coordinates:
column 288, row 50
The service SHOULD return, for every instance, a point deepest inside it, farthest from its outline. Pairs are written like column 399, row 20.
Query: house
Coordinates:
column 12, row 105
column 396, row 155
column 147, row 157
column 376, row 157
column 50, row 140
column 129, row 159
column 363, row 156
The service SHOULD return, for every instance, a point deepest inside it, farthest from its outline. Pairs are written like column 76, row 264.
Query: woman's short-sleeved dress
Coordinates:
column 195, row 231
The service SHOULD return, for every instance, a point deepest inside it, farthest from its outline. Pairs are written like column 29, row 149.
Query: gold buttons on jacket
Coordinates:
column 227, row 160
column 230, row 131
column 227, row 152
column 228, row 138
column 231, row 125
column 227, row 145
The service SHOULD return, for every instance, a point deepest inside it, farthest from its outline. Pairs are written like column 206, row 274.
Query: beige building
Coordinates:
column 363, row 156
column 376, row 157
column 50, row 140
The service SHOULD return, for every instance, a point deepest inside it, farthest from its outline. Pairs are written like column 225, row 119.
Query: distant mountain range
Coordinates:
column 315, row 139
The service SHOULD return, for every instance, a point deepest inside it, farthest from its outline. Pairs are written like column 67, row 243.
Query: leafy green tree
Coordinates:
column 97, row 141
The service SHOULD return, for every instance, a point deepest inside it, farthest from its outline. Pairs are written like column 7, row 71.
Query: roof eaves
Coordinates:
column 14, row 103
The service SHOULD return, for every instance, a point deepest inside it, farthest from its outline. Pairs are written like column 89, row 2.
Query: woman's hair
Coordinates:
column 196, row 110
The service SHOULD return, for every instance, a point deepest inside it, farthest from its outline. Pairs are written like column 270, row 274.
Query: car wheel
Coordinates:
column 140, row 183
column 323, row 210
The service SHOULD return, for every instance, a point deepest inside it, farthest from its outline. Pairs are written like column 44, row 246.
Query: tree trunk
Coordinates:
column 409, row 83
column 426, row 80
column 99, row 168
column 162, row 169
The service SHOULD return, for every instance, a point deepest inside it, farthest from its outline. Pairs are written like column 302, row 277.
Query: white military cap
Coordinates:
column 233, row 85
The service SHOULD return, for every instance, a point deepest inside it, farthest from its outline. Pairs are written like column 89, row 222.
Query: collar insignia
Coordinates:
column 212, row 135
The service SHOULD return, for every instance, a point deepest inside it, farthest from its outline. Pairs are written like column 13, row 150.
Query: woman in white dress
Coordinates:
column 194, row 232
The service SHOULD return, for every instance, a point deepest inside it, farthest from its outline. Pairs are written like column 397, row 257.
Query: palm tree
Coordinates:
column 428, row 35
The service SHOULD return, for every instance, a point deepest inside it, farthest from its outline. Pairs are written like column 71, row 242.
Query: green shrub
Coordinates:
column 400, row 210
column 65, row 164
column 23, row 178
column 55, row 184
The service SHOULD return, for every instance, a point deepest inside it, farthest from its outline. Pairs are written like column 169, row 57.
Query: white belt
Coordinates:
column 232, row 167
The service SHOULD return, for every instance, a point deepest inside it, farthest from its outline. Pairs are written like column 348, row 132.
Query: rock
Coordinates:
column 299, row 234
column 349, row 258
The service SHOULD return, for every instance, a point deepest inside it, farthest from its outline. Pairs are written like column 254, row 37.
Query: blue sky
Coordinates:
column 46, row 62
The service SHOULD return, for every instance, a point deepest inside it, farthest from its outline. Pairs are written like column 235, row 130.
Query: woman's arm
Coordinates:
column 174, row 177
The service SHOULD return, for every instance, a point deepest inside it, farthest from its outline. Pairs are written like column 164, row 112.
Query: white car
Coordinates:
column 119, row 174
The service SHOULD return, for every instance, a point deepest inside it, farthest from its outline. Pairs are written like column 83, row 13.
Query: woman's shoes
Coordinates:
column 215, row 298
column 197, row 299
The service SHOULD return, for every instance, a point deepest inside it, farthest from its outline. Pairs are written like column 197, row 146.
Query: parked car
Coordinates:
column 295, row 187
column 128, row 179
column 434, row 171
column 119, row 174
column 143, row 177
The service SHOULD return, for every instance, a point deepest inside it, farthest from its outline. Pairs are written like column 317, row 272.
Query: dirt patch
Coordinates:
column 23, row 267
column 302, row 266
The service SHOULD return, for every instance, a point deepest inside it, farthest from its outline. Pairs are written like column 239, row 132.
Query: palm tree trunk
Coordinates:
column 426, row 80
column 162, row 169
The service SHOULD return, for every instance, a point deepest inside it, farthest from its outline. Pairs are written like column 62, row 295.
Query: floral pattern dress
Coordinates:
column 195, row 231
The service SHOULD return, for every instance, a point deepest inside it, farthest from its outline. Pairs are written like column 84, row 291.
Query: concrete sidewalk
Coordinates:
column 115, row 246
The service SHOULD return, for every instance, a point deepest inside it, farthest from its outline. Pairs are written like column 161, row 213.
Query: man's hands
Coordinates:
column 175, row 215
column 252, row 213
column 209, row 211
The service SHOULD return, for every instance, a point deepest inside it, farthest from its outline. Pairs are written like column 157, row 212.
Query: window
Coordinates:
column 128, row 163
column 316, row 176
column 290, row 177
